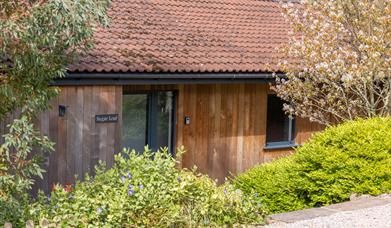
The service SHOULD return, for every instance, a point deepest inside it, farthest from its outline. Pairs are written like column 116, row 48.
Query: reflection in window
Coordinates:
column 148, row 119
column 280, row 127
column 164, row 120
column 134, row 128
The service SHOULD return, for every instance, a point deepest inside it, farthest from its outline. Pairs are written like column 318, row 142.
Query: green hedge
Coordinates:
column 354, row 157
column 147, row 190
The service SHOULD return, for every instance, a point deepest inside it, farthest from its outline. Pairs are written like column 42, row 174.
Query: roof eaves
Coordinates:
column 182, row 76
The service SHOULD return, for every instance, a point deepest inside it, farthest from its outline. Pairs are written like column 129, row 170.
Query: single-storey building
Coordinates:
column 170, row 73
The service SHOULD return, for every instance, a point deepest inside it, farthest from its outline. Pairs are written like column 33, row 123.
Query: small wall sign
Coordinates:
column 187, row 120
column 106, row 118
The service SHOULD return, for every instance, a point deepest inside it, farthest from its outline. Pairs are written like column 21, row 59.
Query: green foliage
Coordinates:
column 147, row 190
column 17, row 168
column 354, row 157
column 38, row 39
column 15, row 211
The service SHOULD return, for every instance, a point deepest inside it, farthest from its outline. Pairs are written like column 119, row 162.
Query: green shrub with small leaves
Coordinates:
column 38, row 39
column 147, row 190
column 18, row 166
column 354, row 157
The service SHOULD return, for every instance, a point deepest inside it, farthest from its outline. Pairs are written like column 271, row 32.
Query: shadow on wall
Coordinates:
column 226, row 134
column 80, row 141
column 227, row 131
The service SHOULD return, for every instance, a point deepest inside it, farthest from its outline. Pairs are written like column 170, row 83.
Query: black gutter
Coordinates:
column 163, row 78
column 170, row 75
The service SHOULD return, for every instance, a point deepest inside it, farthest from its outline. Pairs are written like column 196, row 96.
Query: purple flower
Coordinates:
column 130, row 186
column 123, row 179
column 225, row 191
column 129, row 175
column 49, row 197
column 141, row 186
column 256, row 194
column 130, row 192
column 179, row 179
column 99, row 210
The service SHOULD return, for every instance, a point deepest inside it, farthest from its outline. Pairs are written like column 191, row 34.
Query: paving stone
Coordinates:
column 359, row 204
column 302, row 215
column 372, row 217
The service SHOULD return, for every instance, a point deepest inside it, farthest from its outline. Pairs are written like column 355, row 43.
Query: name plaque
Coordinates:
column 107, row 118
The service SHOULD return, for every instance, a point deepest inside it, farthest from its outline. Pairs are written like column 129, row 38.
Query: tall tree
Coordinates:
column 338, row 66
column 38, row 39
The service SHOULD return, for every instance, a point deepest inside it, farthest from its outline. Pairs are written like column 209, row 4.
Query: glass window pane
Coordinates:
column 277, row 120
column 134, row 115
column 164, row 118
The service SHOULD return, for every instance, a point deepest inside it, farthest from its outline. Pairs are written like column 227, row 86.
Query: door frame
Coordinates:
column 151, row 111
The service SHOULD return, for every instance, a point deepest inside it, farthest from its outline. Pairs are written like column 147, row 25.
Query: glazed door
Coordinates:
column 148, row 119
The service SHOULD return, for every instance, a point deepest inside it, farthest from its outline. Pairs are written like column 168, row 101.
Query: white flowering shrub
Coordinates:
column 147, row 190
column 338, row 66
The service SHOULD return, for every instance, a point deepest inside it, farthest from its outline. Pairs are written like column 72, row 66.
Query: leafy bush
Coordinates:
column 354, row 157
column 18, row 167
column 147, row 190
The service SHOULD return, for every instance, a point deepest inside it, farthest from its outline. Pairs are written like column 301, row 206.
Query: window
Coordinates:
column 148, row 118
column 280, row 127
column 134, row 121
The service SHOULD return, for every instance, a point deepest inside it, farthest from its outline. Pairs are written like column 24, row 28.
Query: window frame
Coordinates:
column 151, row 117
column 291, row 142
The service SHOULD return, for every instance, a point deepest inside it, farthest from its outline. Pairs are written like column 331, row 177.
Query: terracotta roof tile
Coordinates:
column 187, row 36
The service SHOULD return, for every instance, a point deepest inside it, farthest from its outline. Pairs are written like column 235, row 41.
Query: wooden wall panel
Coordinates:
column 226, row 134
column 71, row 131
column 88, row 116
column 232, row 132
column 228, row 125
column 79, row 141
column 180, row 108
column 118, row 127
column 53, row 135
column 94, row 129
column 224, row 121
column 240, row 132
column 61, row 144
column 189, row 134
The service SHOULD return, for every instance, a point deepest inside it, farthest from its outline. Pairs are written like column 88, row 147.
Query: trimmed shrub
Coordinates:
column 147, row 190
column 354, row 157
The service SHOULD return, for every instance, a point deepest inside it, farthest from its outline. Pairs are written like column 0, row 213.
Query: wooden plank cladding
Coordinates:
column 226, row 134
column 80, row 141
column 228, row 128
column 227, row 131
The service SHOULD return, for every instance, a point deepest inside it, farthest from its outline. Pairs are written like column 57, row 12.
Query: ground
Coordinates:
column 360, row 212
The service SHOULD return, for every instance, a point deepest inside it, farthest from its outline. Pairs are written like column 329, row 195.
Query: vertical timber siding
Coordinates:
column 226, row 135
column 227, row 132
column 80, row 142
